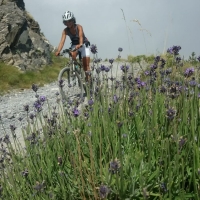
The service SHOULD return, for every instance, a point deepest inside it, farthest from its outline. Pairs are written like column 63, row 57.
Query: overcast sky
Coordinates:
column 161, row 24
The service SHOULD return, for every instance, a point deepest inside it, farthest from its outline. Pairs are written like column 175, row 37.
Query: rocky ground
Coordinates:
column 12, row 111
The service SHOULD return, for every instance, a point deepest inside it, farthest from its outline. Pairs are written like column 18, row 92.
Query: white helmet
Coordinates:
column 68, row 15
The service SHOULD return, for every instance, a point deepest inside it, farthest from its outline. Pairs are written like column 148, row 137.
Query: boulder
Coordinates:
column 21, row 42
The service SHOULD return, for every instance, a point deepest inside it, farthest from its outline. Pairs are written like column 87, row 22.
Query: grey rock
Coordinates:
column 21, row 42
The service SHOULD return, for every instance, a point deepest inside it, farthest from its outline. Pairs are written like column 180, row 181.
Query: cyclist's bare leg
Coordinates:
column 86, row 67
column 74, row 54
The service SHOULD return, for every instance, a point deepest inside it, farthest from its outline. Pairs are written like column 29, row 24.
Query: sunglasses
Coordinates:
column 68, row 21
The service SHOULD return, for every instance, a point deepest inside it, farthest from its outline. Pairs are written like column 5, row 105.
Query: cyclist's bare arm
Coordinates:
column 62, row 42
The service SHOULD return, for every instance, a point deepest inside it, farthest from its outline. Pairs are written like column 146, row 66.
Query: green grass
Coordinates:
column 134, row 142
column 12, row 78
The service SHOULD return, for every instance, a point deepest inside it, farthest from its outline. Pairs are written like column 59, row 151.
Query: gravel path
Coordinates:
column 12, row 104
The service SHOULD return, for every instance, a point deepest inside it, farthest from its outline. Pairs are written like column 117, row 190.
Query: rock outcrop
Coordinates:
column 21, row 42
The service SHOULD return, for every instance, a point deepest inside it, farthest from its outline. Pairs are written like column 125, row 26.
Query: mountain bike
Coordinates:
column 71, row 78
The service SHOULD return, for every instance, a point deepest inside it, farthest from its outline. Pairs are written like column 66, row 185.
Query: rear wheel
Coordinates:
column 70, row 85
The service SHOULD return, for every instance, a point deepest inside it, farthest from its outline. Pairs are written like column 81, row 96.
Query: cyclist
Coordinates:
column 78, row 40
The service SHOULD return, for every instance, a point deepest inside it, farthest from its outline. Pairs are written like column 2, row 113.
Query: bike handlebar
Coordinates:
column 69, row 50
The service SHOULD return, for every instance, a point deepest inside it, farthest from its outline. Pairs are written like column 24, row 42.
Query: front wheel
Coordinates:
column 70, row 85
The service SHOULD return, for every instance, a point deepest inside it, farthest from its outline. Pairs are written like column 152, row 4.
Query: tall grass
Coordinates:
column 135, row 138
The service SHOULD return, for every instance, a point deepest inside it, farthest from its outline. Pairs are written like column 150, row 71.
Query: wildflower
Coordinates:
column 182, row 142
column 189, row 71
column 20, row 119
column 107, row 69
column 102, row 67
column 163, row 187
column 37, row 105
column 31, row 116
column 103, row 191
column 42, row 98
column 60, row 83
column 198, row 58
column 157, row 59
column 199, row 95
column 25, row 173
column 114, row 166
column 119, row 123
column 163, row 89
column 26, row 107
column 34, row 87
column 93, row 48
column 111, row 61
column 12, row 128
column 90, row 102
column 76, row 112
column 120, row 49
column 153, row 66
column 6, row 139
column 98, row 70
column 174, row 50
column 171, row 113
column 178, row 59
column 168, row 71
column 124, row 68
column 192, row 83
column 163, row 62
column 115, row 98
column 146, row 73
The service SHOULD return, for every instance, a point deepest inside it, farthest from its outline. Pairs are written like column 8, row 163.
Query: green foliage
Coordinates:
column 134, row 141
column 12, row 78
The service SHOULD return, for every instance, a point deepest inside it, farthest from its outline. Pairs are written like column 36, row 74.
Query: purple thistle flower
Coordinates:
column 124, row 68
column 189, row 71
column 163, row 62
column 163, row 89
column 60, row 83
column 26, row 107
column 153, row 66
column 157, row 59
column 171, row 113
column 31, row 116
column 120, row 49
column 111, row 61
column 103, row 191
column 107, row 69
column 115, row 98
column 90, row 102
column 42, row 98
column 182, row 142
column 34, row 87
column 146, row 73
column 102, row 67
column 192, row 83
column 114, row 166
column 93, row 48
column 37, row 105
column 178, row 59
column 76, row 112
column 174, row 50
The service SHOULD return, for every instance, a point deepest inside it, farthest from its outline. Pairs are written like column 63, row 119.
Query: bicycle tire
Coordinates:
column 74, row 87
